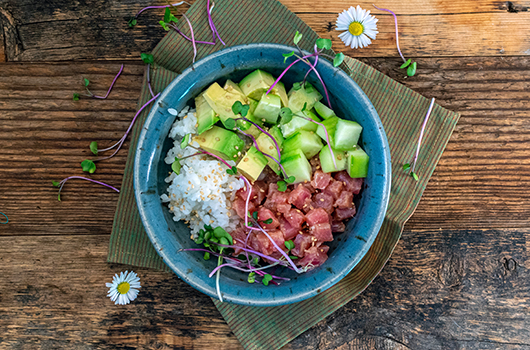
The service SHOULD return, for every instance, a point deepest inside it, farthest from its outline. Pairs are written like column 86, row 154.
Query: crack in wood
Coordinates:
column 512, row 8
column 12, row 42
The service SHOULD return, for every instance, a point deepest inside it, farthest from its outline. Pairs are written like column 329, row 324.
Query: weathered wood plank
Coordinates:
column 98, row 29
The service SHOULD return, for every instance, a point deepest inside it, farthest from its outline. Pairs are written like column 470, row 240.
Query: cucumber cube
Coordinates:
column 309, row 142
column 307, row 96
column 298, row 123
column 268, row 108
column 357, row 163
column 343, row 134
column 324, row 111
column 326, row 161
column 252, row 164
column 296, row 164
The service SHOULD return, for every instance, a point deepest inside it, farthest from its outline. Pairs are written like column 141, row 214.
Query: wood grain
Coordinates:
column 98, row 29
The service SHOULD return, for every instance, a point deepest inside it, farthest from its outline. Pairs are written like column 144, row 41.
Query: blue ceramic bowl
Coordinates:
column 168, row 236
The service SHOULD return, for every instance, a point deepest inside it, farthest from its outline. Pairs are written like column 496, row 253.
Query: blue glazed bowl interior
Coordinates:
column 169, row 237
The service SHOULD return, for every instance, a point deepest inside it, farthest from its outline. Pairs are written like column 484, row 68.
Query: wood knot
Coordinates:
column 451, row 271
column 512, row 8
column 508, row 267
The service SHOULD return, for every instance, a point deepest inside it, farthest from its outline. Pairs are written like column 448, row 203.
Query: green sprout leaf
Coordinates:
column 88, row 165
column 147, row 58
column 297, row 37
column 286, row 115
column 268, row 221
column 206, row 256
column 76, row 96
column 56, row 183
column 94, row 147
column 414, row 175
column 255, row 215
column 266, row 279
column 132, row 22
column 231, row 171
column 230, row 123
column 297, row 86
column 293, row 257
column 86, row 81
column 244, row 110
column 176, row 166
column 164, row 25
column 289, row 244
column 305, row 106
column 185, row 141
column 290, row 179
column 236, row 107
column 339, row 58
column 282, row 186
column 287, row 55
column 309, row 88
column 406, row 64
column 255, row 261
column 406, row 166
column 324, row 44
column 411, row 70
column 251, row 277
column 167, row 15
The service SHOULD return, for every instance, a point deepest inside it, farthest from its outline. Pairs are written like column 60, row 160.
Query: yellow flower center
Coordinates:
column 123, row 287
column 356, row 28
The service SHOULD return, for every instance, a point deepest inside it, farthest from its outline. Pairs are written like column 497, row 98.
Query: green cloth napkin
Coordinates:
column 401, row 111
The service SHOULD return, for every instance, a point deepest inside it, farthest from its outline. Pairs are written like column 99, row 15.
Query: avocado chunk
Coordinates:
column 324, row 111
column 266, row 145
column 256, row 84
column 206, row 116
column 357, row 163
column 268, row 108
column 309, row 142
column 298, row 123
column 326, row 161
column 296, row 164
column 279, row 89
column 221, row 142
column 222, row 101
column 233, row 88
column 344, row 134
column 307, row 95
column 252, row 164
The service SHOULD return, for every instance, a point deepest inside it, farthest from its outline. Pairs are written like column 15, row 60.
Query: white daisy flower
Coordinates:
column 124, row 288
column 359, row 27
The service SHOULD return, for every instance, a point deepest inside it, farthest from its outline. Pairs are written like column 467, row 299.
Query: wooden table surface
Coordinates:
column 458, row 279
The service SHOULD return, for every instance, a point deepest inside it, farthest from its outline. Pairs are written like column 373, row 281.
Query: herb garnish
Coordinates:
column 88, row 166
column 62, row 182
column 86, row 82
column 407, row 166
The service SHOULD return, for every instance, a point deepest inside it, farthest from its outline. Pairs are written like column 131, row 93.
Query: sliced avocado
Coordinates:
column 279, row 89
column 252, row 164
column 298, row 123
column 307, row 95
column 221, row 142
column 268, row 108
column 222, row 101
column 344, row 134
column 206, row 116
column 309, row 142
column 266, row 145
column 357, row 163
column 326, row 161
column 324, row 111
column 233, row 88
column 249, row 128
column 256, row 83
column 296, row 164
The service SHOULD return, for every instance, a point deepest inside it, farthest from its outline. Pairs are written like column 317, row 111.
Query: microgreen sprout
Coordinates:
column 266, row 279
column 412, row 167
column 185, row 141
column 86, row 82
column 323, row 44
column 297, row 37
column 251, row 277
column 268, row 221
column 61, row 184
column 286, row 115
column 287, row 55
column 176, row 166
column 282, row 186
column 411, row 66
column 147, row 58
column 94, row 147
column 289, row 245
column 88, row 166
column 76, row 96
column 231, row 171
column 192, row 38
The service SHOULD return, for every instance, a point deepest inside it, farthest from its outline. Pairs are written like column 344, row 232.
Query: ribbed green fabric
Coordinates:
column 401, row 111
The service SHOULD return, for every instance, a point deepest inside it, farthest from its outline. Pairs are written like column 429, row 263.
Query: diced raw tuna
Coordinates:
column 295, row 217
column 275, row 199
column 309, row 187
column 323, row 200
column 239, row 206
column 314, row 256
column 273, row 187
column 320, row 179
column 337, row 226
column 345, row 200
column 265, row 214
column 289, row 232
column 322, row 232
column 352, row 185
column 239, row 236
column 283, row 208
column 261, row 189
column 317, row 216
column 277, row 236
column 301, row 243
column 334, row 189
column 299, row 196
column 345, row 213
column 261, row 243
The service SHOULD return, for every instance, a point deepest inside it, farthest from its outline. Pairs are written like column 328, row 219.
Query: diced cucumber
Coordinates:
column 343, row 134
column 298, row 123
column 268, row 108
column 221, row 142
column 266, row 145
column 357, row 163
column 277, row 134
column 309, row 142
column 307, row 96
column 249, row 128
column 326, row 161
column 252, row 164
column 324, row 111
column 206, row 116
column 296, row 164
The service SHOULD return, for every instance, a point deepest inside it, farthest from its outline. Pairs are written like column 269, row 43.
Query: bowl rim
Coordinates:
column 141, row 189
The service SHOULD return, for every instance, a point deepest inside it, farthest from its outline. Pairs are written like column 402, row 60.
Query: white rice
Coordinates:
column 203, row 192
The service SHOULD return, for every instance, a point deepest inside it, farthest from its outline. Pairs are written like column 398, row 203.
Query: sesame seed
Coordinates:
column 185, row 117
column 321, row 199
column 245, row 160
column 263, row 120
column 236, row 147
column 271, row 147
column 217, row 139
column 235, row 155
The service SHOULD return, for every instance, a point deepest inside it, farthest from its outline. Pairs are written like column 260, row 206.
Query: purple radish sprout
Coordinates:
column 213, row 253
column 265, row 154
column 309, row 71
column 397, row 33
column 149, row 81
column 217, row 157
column 242, row 269
column 261, row 273
column 122, row 140
column 421, row 134
column 285, row 71
column 212, row 25
column 111, row 85
column 160, row 7
column 192, row 38
column 266, row 133
column 280, row 262
column 86, row 179
column 188, row 38
column 319, row 78
column 327, row 137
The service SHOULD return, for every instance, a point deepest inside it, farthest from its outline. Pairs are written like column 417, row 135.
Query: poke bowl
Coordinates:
column 182, row 248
